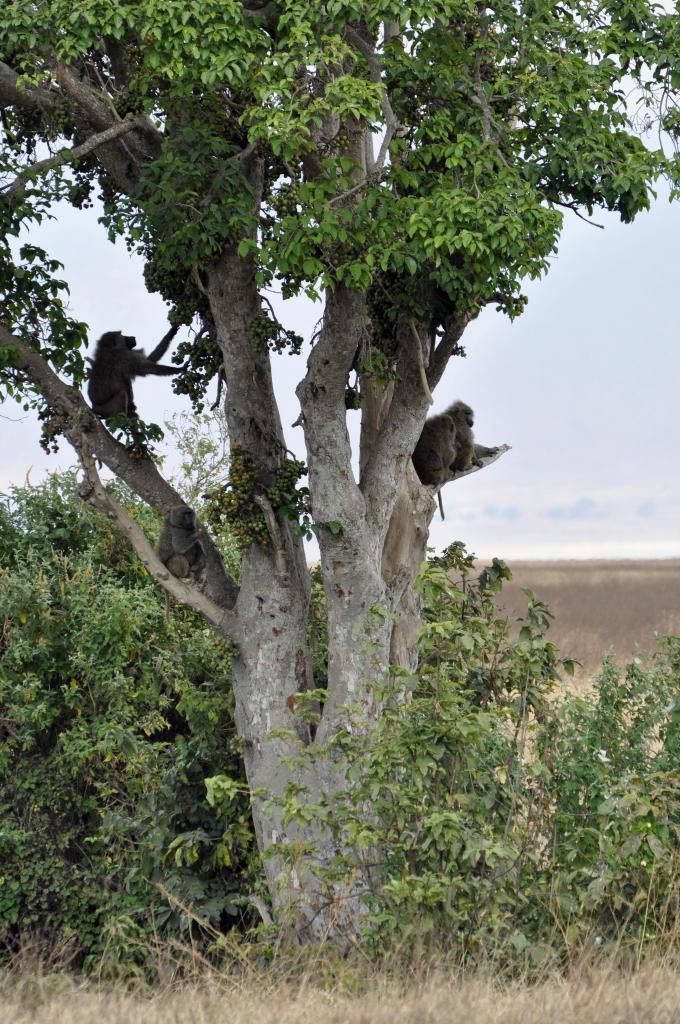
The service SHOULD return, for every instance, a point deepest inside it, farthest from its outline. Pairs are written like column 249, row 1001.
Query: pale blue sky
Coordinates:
column 584, row 386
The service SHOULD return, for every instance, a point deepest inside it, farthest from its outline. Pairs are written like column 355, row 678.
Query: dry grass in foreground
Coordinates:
column 650, row 996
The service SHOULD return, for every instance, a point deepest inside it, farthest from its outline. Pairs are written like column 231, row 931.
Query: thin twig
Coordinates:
column 373, row 178
column 574, row 209
column 68, row 156
column 392, row 125
column 421, row 364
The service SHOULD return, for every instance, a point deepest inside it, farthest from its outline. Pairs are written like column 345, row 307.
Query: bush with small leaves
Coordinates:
column 112, row 715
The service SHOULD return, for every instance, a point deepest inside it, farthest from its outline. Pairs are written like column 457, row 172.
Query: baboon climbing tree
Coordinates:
column 411, row 163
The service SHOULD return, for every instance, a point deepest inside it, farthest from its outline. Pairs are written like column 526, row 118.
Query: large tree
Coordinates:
column 410, row 163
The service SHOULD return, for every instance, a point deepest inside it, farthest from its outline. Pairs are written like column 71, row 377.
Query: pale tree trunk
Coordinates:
column 372, row 537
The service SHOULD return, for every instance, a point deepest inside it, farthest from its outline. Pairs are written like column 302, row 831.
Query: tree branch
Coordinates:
column 392, row 125
column 93, row 491
column 83, row 429
column 335, row 494
column 30, row 96
column 421, row 361
column 92, row 111
column 274, row 533
column 485, row 456
column 67, row 155
column 404, row 420
column 398, row 433
column 574, row 209
column 123, row 157
column 446, row 347
column 98, row 113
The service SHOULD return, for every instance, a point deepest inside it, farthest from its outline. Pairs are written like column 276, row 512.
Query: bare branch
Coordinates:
column 274, row 533
column 421, row 362
column 123, row 157
column 446, row 347
column 93, row 491
column 94, row 107
column 373, row 178
column 67, row 155
column 85, row 430
column 392, row 125
column 484, row 457
column 574, row 209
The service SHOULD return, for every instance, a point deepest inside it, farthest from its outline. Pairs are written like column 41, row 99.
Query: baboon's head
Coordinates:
column 465, row 413
column 182, row 515
column 116, row 340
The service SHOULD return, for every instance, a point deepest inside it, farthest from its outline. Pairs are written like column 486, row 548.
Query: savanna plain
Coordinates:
column 599, row 606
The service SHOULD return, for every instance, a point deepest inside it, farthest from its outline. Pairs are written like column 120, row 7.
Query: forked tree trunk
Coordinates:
column 370, row 561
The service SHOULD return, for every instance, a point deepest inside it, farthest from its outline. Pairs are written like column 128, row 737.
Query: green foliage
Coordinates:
column 503, row 116
column 613, row 788
column 235, row 505
column 489, row 815
column 112, row 714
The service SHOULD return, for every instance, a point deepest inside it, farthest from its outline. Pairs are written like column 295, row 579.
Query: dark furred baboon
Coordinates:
column 115, row 365
column 436, row 449
column 446, row 447
column 464, row 419
column 179, row 546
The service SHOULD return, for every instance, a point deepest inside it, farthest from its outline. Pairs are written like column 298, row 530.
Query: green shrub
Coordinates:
column 495, row 817
column 500, row 821
column 112, row 714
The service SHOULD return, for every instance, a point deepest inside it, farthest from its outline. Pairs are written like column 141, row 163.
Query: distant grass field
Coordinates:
column 601, row 605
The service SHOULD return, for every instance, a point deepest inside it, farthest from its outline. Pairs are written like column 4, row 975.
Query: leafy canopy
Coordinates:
column 496, row 116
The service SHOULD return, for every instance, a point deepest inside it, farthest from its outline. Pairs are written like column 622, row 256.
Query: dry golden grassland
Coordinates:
column 601, row 605
column 650, row 996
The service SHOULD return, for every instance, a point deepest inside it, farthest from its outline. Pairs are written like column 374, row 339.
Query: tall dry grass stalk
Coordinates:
column 651, row 996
